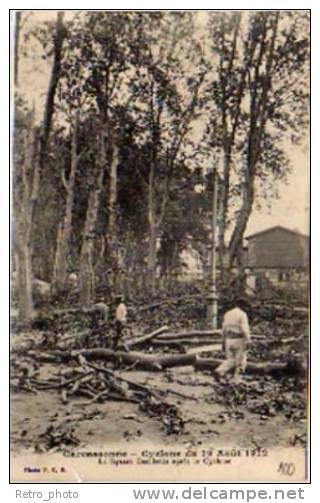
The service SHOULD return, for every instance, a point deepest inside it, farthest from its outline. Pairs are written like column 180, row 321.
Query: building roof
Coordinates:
column 278, row 247
column 277, row 227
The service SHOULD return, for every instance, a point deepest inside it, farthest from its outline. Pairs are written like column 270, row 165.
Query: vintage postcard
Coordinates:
column 160, row 246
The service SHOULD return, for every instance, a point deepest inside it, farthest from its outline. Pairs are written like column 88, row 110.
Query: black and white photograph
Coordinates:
column 160, row 263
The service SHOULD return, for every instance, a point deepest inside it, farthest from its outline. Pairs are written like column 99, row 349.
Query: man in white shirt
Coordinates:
column 121, row 312
column 121, row 318
column 236, row 335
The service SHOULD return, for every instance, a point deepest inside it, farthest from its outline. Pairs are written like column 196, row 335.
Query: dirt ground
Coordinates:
column 263, row 411
column 209, row 418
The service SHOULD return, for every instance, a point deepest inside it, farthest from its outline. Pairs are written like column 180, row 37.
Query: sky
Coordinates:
column 291, row 210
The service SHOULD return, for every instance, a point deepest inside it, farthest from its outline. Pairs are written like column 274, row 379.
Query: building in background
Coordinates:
column 278, row 255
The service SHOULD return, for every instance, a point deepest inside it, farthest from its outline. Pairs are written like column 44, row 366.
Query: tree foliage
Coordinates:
column 146, row 103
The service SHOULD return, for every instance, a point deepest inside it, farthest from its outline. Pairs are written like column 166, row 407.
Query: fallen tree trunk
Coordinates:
column 200, row 337
column 204, row 349
column 140, row 360
column 147, row 337
column 292, row 367
column 188, row 342
column 189, row 333
column 156, row 362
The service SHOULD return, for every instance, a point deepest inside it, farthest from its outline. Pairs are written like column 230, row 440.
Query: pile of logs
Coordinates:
column 165, row 349
column 193, row 341
column 158, row 362
column 183, row 341
column 79, row 339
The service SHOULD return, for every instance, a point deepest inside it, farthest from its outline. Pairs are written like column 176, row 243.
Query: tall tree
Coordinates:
column 166, row 91
column 60, row 273
column 26, row 186
column 57, row 36
column 96, row 58
column 86, row 270
column 260, row 92
column 17, row 30
column 29, row 150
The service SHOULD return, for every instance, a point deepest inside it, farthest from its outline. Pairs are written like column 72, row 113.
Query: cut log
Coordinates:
column 199, row 335
column 190, row 333
column 151, row 362
column 204, row 349
column 187, row 342
column 147, row 337
column 292, row 367
column 157, row 362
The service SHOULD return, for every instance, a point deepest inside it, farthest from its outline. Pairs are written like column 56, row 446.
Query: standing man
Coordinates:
column 236, row 336
column 121, row 319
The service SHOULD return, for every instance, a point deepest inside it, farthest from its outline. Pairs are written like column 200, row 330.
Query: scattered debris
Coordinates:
column 75, row 347
column 56, row 438
column 168, row 414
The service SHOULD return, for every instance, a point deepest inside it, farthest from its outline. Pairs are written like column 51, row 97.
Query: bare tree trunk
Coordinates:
column 22, row 212
column 113, row 189
column 152, row 255
column 64, row 231
column 239, row 230
column 16, row 47
column 87, row 275
column 112, row 238
column 27, row 181
column 25, row 196
column 24, row 275
column 152, row 252
column 224, row 198
column 228, row 138
column 259, row 90
column 59, row 37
